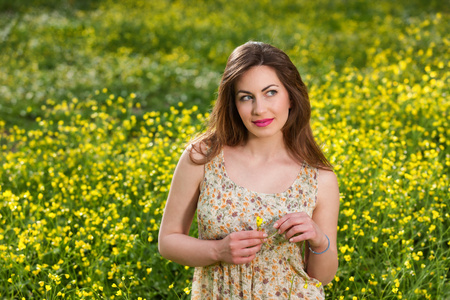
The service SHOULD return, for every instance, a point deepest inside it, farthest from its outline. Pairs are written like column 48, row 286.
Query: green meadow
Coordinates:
column 99, row 98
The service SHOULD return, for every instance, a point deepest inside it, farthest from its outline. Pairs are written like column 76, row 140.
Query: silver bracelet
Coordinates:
column 328, row 247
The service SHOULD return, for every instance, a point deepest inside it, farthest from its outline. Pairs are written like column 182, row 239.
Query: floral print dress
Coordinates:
column 278, row 271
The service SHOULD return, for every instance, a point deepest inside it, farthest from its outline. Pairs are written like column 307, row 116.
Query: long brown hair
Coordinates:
column 225, row 125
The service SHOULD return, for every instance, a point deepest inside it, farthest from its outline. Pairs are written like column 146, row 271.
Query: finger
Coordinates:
column 243, row 260
column 298, row 238
column 296, row 229
column 250, row 234
column 287, row 217
column 245, row 252
column 237, row 245
column 281, row 221
column 291, row 222
column 252, row 242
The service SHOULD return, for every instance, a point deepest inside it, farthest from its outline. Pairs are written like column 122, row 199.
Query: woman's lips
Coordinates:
column 262, row 123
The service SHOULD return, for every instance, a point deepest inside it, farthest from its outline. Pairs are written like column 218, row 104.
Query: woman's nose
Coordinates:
column 259, row 106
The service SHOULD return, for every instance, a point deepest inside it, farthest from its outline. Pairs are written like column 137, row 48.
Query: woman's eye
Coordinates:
column 246, row 98
column 271, row 93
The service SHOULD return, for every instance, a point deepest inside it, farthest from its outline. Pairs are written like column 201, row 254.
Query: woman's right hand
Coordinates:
column 240, row 247
column 174, row 241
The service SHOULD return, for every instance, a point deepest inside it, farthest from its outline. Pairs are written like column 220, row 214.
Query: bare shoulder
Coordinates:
column 196, row 152
column 189, row 169
column 189, row 160
column 327, row 178
column 328, row 189
column 186, row 180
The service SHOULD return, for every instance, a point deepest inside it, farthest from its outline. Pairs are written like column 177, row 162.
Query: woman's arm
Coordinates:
column 174, row 241
column 300, row 227
column 324, row 266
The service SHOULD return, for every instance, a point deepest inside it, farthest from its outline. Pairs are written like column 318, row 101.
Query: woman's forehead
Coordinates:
column 257, row 78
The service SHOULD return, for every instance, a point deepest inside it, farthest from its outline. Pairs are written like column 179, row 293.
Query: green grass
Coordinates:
column 97, row 100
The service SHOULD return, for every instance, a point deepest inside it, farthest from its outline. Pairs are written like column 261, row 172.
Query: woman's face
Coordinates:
column 262, row 102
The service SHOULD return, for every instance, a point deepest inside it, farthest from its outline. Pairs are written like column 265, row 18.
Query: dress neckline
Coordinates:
column 290, row 188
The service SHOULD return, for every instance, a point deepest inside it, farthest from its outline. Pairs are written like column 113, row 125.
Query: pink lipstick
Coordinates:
column 263, row 122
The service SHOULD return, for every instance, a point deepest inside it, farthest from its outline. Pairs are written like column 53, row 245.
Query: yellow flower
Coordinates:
column 259, row 222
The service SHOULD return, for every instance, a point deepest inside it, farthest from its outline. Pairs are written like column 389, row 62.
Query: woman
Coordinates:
column 267, row 201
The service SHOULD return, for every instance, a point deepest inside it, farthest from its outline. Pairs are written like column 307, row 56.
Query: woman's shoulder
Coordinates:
column 187, row 169
column 326, row 177
column 202, row 153
column 197, row 152
column 328, row 188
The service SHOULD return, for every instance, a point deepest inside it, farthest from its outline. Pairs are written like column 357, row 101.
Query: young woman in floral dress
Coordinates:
column 267, row 201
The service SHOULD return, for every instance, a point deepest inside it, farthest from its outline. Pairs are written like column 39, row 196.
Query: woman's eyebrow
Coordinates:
column 269, row 86
column 246, row 92
column 242, row 91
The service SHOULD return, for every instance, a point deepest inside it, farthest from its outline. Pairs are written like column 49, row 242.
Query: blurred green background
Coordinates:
column 171, row 51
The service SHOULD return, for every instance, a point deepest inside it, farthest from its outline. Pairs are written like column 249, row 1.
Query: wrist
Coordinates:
column 215, row 252
column 322, row 249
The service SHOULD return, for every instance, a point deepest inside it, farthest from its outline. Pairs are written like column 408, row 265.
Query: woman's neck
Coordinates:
column 264, row 148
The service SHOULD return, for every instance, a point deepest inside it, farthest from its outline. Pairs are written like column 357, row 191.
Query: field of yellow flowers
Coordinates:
column 98, row 99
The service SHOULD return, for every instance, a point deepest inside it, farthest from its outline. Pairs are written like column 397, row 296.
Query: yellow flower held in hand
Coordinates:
column 259, row 222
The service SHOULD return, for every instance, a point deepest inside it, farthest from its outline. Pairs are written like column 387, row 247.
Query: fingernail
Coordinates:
column 275, row 225
column 265, row 235
column 291, row 240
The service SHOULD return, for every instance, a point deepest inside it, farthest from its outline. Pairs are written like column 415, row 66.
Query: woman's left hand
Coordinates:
column 299, row 227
